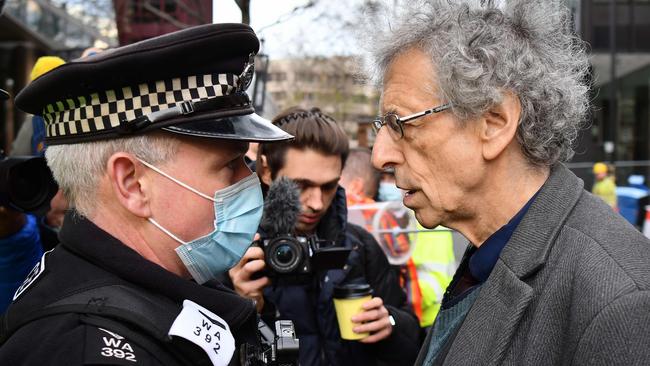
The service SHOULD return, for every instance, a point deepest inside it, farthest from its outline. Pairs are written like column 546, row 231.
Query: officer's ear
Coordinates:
column 126, row 179
column 263, row 170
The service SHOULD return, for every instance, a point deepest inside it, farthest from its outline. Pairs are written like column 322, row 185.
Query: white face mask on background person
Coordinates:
column 238, row 210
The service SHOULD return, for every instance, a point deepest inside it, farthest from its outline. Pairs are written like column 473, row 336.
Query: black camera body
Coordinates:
column 288, row 254
column 26, row 183
column 279, row 349
column 301, row 255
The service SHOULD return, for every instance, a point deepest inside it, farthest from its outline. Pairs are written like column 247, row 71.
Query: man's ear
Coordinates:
column 499, row 126
column 263, row 170
column 126, row 180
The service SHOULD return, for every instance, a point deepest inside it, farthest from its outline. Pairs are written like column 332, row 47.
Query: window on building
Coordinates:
column 281, row 95
column 277, row 76
column 309, row 77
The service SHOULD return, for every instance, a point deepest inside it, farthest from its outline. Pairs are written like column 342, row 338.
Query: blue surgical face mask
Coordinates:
column 389, row 192
column 238, row 210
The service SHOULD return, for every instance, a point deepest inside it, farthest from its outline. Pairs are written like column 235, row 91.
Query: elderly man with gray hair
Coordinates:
column 481, row 103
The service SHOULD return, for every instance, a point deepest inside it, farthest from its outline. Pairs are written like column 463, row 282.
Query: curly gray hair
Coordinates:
column 481, row 50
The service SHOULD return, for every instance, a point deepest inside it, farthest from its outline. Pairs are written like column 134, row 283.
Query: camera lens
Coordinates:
column 284, row 254
column 31, row 185
column 27, row 183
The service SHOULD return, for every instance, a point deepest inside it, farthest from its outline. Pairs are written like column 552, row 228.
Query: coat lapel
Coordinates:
column 488, row 329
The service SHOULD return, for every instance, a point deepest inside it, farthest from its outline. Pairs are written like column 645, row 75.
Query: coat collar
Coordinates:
column 333, row 224
column 487, row 331
column 530, row 244
column 85, row 239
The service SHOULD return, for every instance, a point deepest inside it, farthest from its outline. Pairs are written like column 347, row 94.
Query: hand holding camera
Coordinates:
column 287, row 254
column 279, row 253
column 244, row 279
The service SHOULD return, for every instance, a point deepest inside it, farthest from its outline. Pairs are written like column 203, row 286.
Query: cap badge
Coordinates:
column 246, row 76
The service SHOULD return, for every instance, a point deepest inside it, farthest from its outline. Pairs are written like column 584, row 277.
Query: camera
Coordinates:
column 26, row 183
column 300, row 255
column 279, row 349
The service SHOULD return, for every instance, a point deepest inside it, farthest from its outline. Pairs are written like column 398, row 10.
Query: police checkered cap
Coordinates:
column 117, row 108
column 191, row 82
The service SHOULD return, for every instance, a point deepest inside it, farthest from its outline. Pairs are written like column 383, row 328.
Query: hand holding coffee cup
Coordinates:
column 360, row 316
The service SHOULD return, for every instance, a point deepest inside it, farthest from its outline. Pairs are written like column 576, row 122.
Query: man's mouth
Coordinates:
column 407, row 191
column 409, row 197
column 309, row 219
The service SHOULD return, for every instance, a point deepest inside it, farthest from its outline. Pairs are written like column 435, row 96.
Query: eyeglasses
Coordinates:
column 396, row 122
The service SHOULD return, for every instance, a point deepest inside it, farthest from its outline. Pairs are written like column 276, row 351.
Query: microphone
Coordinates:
column 281, row 208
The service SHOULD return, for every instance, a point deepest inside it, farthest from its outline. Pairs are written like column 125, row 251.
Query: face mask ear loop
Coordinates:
column 166, row 231
column 175, row 180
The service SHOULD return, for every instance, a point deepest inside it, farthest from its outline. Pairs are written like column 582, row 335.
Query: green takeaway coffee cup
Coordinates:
column 347, row 303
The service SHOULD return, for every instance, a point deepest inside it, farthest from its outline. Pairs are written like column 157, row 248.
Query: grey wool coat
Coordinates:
column 571, row 287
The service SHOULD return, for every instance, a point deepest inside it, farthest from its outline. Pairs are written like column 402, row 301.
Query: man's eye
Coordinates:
column 330, row 186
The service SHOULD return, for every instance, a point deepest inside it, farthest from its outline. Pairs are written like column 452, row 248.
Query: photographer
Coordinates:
column 147, row 143
column 27, row 232
column 314, row 161
column 20, row 245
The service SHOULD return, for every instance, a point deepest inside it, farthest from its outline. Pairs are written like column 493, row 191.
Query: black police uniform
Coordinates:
column 94, row 301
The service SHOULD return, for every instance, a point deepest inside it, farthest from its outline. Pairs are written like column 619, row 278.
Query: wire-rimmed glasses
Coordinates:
column 396, row 122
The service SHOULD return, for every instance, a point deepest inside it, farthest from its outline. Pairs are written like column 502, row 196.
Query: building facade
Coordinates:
column 332, row 84
column 30, row 29
column 618, row 130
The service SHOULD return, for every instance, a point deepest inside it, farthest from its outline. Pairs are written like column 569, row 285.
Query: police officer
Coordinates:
column 147, row 141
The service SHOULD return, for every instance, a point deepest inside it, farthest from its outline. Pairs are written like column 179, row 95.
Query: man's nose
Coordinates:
column 314, row 199
column 385, row 153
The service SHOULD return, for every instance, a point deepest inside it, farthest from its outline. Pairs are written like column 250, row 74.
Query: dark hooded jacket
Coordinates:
column 311, row 308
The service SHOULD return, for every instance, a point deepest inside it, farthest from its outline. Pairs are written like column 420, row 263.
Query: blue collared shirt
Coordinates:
column 474, row 270
column 477, row 264
column 485, row 257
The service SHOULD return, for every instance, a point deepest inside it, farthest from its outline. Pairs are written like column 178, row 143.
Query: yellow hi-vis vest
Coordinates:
column 435, row 263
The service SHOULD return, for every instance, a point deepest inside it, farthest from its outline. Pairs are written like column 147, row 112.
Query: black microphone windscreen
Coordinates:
column 281, row 208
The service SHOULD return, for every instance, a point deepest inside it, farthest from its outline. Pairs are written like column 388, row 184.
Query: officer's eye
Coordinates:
column 233, row 164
